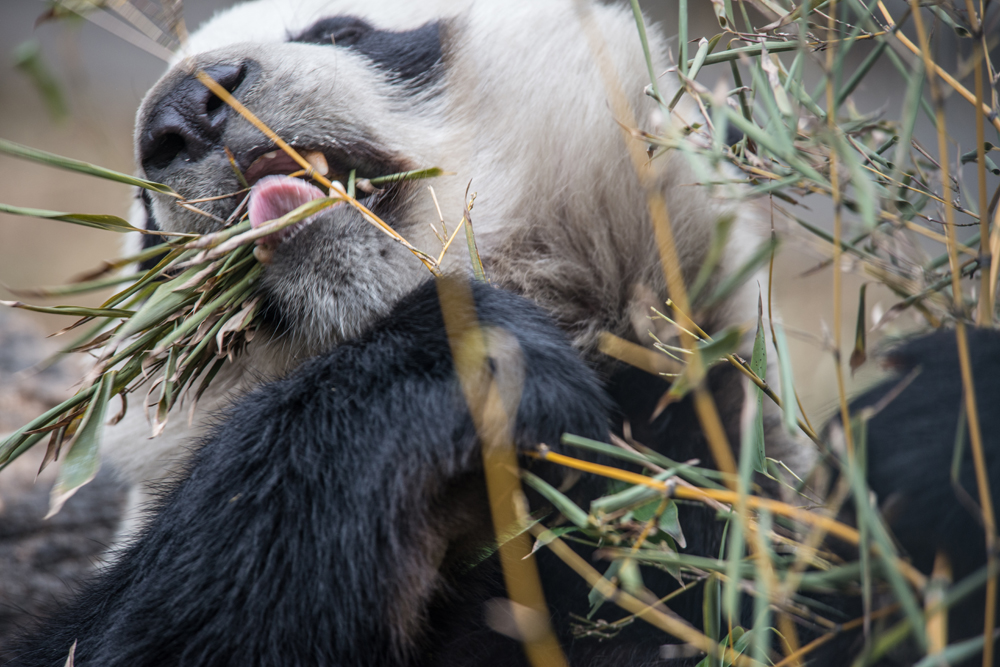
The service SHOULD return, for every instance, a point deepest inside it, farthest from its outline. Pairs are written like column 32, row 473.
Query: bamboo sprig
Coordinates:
column 840, row 530
column 965, row 364
column 939, row 71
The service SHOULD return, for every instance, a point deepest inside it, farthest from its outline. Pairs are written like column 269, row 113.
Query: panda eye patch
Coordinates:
column 409, row 54
column 336, row 31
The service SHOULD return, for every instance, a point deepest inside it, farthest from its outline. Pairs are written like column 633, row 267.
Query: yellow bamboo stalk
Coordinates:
column 672, row 626
column 659, row 216
column 984, row 312
column 503, row 483
column 947, row 78
column 975, row 434
column 831, row 119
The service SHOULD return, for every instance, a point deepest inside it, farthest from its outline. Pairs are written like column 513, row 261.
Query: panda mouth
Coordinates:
column 279, row 185
column 279, row 162
column 273, row 196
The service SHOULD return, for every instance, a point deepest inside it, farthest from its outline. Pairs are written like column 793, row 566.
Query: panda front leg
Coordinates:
column 312, row 525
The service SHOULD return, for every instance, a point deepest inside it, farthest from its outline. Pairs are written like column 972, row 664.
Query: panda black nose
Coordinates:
column 188, row 120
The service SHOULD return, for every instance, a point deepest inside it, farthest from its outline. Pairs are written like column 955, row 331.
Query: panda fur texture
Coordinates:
column 507, row 96
column 911, row 437
column 330, row 516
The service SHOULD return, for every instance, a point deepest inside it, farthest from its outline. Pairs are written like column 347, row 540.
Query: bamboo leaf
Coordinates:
column 69, row 164
column 73, row 311
column 569, row 509
column 110, row 223
column 630, row 497
column 758, row 364
column 788, row 401
column 669, row 523
column 83, row 458
column 715, row 251
column 596, row 597
column 477, row 263
column 860, row 354
column 742, row 274
column 406, row 176
column 28, row 59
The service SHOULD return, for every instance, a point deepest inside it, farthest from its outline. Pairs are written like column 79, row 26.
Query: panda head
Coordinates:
column 506, row 96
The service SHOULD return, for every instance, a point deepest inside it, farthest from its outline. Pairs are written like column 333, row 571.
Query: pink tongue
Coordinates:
column 273, row 196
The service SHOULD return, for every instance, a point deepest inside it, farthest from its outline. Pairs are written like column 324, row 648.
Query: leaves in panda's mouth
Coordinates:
column 168, row 332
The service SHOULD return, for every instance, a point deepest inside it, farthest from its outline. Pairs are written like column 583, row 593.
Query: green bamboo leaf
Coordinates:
column 972, row 155
column 551, row 535
column 352, row 179
column 860, row 354
column 69, row 164
column 670, row 524
column 764, row 140
column 720, row 239
column 712, row 618
column 753, row 437
column 191, row 323
column 864, row 190
column 12, row 443
column 871, row 522
column 911, row 105
column 74, row 288
column 28, row 59
column 569, row 509
column 477, row 263
column 596, row 598
column 631, row 496
column 73, row 311
column 109, row 223
column 733, row 566
column 604, row 449
column 712, row 352
column 742, row 274
column 83, row 458
column 164, row 301
column 954, row 654
column 630, row 576
column 414, row 175
column 788, row 401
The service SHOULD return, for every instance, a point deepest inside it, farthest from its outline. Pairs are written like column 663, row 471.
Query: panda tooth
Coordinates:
column 269, row 156
column 263, row 253
column 318, row 162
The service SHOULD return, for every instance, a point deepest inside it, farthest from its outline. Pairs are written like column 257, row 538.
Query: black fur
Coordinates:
column 911, row 443
column 409, row 54
column 149, row 240
column 322, row 503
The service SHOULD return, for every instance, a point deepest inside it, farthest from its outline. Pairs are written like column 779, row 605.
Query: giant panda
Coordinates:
column 326, row 500
column 323, row 504
column 510, row 100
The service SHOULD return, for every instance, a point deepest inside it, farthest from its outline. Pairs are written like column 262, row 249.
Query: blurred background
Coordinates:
column 99, row 80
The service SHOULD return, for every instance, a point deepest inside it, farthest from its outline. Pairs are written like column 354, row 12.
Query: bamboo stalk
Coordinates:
column 972, row 414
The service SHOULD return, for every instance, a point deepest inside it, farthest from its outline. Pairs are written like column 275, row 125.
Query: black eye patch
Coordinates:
column 410, row 54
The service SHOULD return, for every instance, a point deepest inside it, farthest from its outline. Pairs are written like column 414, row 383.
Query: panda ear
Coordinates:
column 412, row 55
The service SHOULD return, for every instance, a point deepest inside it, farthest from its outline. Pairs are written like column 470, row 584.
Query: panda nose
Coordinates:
column 188, row 120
